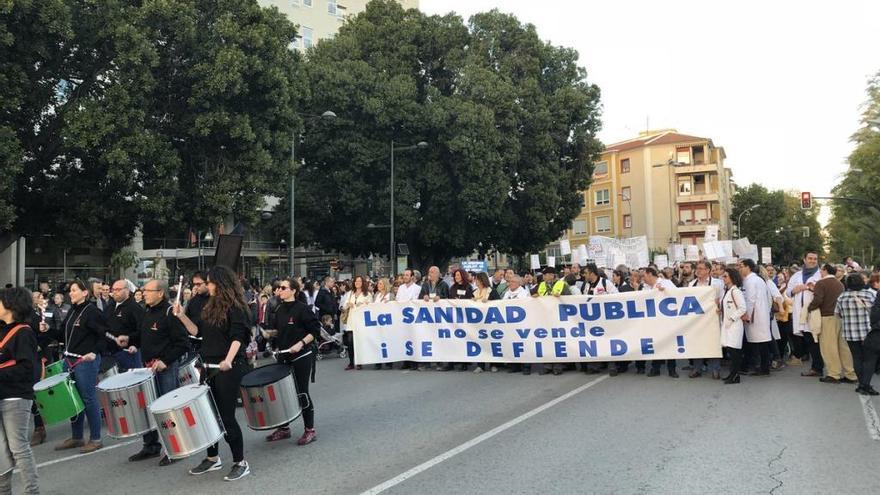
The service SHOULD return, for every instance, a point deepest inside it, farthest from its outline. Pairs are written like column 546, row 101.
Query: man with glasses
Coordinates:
column 194, row 309
column 124, row 320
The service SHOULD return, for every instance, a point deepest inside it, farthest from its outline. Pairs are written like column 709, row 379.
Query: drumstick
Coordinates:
column 179, row 290
column 212, row 366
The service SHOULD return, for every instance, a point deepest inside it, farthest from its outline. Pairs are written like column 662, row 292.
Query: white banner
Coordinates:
column 607, row 251
column 670, row 324
column 565, row 247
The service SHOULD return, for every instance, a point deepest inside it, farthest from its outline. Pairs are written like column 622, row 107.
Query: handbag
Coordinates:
column 814, row 322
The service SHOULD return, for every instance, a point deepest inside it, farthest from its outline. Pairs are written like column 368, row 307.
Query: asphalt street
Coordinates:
column 407, row 432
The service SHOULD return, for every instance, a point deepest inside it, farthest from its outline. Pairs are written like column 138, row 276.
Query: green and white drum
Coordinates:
column 57, row 398
column 55, row 368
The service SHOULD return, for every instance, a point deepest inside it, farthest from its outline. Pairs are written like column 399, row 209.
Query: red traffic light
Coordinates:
column 806, row 201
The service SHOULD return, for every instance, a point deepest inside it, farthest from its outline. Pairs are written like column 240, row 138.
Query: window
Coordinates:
column 583, row 200
column 331, row 7
column 579, row 227
column 624, row 166
column 683, row 154
column 627, row 221
column 698, row 153
column 626, row 193
column 700, row 184
column 684, row 186
column 685, row 216
column 307, row 3
column 601, row 169
column 603, row 224
column 603, row 197
column 307, row 37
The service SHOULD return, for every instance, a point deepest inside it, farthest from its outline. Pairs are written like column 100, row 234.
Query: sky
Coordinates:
column 778, row 84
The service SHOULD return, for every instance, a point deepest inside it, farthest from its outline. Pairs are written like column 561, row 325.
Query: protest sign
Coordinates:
column 564, row 247
column 766, row 255
column 475, row 266
column 535, row 262
column 671, row 324
column 634, row 250
column 661, row 260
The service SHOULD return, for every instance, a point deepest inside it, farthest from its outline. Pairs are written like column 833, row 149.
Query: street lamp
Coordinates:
column 419, row 145
column 326, row 116
column 208, row 238
column 739, row 219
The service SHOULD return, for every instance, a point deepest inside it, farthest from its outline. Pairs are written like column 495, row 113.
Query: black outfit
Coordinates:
column 84, row 330
column 225, row 384
column 193, row 311
column 124, row 319
column 326, row 303
column 160, row 336
column 440, row 289
column 19, row 363
column 294, row 320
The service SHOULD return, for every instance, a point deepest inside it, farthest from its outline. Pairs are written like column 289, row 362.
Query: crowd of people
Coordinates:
column 825, row 318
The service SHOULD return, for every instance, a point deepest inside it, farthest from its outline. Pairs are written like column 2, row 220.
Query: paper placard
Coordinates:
column 565, row 247
column 711, row 233
column 551, row 261
column 693, row 253
column 741, row 246
column 661, row 260
column 583, row 256
column 766, row 255
column 536, row 262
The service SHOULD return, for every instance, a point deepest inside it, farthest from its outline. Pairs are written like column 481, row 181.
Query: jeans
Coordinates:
column 86, row 376
column 126, row 361
column 15, row 433
column 864, row 361
column 166, row 381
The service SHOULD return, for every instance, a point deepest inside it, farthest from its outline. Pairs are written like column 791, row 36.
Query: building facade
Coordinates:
column 320, row 19
column 664, row 185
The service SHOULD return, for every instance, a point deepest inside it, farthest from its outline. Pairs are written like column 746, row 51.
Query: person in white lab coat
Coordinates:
column 800, row 290
column 732, row 308
column 757, row 317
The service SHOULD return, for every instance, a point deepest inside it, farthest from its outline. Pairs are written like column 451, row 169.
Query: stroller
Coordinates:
column 328, row 342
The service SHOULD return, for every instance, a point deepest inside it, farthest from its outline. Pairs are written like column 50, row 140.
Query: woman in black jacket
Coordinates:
column 84, row 333
column 298, row 328
column 19, row 370
column 460, row 289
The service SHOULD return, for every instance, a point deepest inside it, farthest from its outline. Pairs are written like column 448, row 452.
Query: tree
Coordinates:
column 510, row 122
column 777, row 223
column 854, row 224
column 162, row 114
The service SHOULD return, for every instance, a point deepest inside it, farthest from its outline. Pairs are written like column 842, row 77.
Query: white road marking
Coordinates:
column 477, row 440
column 77, row 456
column 872, row 420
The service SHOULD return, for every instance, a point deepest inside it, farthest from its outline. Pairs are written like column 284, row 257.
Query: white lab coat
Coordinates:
column 800, row 301
column 758, row 308
column 775, row 295
column 733, row 306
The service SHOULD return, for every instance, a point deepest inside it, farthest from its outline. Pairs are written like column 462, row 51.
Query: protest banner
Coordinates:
column 607, row 250
column 475, row 266
column 671, row 324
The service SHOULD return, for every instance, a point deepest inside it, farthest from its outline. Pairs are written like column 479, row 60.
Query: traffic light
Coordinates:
column 806, row 201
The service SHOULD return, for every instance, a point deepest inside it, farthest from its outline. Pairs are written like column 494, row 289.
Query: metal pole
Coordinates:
column 391, row 260
column 292, row 196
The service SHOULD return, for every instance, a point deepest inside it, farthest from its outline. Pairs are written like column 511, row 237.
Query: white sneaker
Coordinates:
column 478, row 370
column 494, row 369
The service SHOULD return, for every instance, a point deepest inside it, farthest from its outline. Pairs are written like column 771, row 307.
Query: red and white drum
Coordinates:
column 188, row 373
column 188, row 420
column 269, row 397
column 124, row 399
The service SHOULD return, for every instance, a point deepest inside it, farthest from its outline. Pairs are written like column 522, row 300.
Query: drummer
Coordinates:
column 298, row 328
column 162, row 340
column 19, row 370
column 193, row 310
column 225, row 333
column 124, row 321
column 84, row 333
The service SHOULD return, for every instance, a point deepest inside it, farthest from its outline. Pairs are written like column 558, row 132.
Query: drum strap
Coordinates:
column 7, row 338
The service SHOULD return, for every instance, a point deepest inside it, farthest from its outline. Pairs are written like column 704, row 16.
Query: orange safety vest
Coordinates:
column 7, row 338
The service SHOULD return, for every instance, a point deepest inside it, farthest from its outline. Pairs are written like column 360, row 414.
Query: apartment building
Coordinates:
column 320, row 19
column 664, row 185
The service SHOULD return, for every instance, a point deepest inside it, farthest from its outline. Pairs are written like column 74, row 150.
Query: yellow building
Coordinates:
column 664, row 185
column 320, row 19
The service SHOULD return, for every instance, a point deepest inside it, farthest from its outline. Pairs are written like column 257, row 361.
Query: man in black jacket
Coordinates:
column 124, row 321
column 325, row 301
column 162, row 340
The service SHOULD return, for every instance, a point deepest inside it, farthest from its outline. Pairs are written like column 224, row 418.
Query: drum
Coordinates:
column 188, row 372
column 55, row 368
column 269, row 397
column 188, row 420
column 57, row 398
column 124, row 399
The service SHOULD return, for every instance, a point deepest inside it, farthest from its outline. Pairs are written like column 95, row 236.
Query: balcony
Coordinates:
column 696, row 168
column 695, row 226
column 697, row 197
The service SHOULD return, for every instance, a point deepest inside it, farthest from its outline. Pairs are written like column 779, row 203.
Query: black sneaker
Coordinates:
column 206, row 466
column 239, row 470
column 166, row 461
column 143, row 454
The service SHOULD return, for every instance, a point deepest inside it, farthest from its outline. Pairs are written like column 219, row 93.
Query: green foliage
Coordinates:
column 854, row 224
column 166, row 113
column 510, row 121
column 778, row 223
column 124, row 259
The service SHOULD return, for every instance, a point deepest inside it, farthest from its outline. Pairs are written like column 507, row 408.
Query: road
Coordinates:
column 399, row 432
